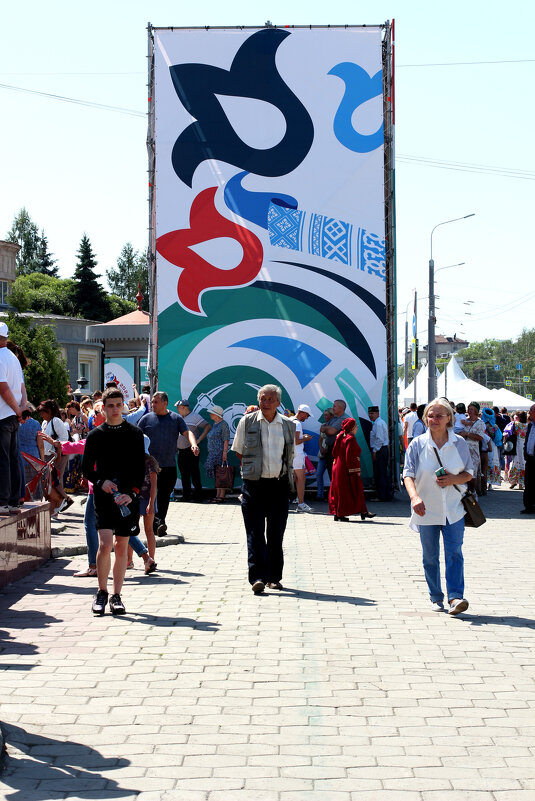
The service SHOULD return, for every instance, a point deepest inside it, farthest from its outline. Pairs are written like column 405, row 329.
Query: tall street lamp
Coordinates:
column 431, row 344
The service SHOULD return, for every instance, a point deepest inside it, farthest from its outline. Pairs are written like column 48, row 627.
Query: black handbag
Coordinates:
column 473, row 513
column 224, row 476
column 509, row 446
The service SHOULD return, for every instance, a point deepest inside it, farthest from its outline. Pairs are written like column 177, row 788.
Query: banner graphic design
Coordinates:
column 270, row 230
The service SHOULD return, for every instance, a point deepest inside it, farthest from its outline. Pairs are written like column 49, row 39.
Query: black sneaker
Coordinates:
column 161, row 531
column 99, row 604
column 116, row 605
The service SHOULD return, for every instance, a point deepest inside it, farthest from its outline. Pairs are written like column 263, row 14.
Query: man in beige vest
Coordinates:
column 265, row 442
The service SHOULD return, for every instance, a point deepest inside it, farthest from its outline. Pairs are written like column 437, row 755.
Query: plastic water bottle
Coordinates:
column 123, row 508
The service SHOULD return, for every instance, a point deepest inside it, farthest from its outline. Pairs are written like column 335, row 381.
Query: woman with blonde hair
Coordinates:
column 437, row 467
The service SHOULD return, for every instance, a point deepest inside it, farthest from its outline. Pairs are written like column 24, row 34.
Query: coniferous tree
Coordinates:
column 89, row 298
column 131, row 271
column 24, row 232
column 45, row 263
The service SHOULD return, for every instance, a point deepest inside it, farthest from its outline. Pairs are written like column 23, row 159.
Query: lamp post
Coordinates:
column 431, row 344
column 79, row 391
column 406, row 377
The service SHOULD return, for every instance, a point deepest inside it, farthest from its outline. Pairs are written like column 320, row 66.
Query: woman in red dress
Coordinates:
column 346, row 495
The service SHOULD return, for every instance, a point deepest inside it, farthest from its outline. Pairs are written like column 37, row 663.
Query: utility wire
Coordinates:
column 440, row 163
column 75, row 100
column 504, row 172
column 469, row 63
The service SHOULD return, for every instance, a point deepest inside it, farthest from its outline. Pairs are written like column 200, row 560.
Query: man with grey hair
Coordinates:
column 332, row 429
column 162, row 428
column 11, row 386
column 264, row 443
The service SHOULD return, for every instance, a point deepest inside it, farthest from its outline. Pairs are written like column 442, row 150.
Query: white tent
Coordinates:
column 455, row 385
column 512, row 401
column 407, row 395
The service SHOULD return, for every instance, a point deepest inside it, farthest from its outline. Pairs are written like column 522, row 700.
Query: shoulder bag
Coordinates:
column 473, row 513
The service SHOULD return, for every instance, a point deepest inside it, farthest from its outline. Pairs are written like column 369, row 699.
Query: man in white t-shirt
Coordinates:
column 303, row 413
column 188, row 462
column 409, row 420
column 11, row 384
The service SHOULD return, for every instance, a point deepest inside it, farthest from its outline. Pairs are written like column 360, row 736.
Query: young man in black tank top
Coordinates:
column 114, row 460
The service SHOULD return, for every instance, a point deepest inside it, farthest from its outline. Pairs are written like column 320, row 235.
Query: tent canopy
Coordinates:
column 454, row 384
column 511, row 400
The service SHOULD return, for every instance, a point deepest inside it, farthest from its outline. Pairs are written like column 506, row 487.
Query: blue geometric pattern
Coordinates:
column 303, row 360
column 371, row 253
column 328, row 238
column 285, row 227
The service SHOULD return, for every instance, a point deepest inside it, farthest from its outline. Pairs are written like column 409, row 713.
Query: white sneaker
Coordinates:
column 295, row 501
column 437, row 606
column 458, row 605
column 303, row 507
column 4, row 510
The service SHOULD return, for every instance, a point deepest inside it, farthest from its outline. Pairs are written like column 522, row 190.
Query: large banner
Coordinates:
column 270, row 218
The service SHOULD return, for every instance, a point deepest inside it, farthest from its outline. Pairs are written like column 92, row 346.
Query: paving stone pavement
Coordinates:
column 343, row 687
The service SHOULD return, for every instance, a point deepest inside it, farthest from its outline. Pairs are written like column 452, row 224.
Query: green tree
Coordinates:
column 118, row 306
column 45, row 263
column 131, row 271
column 46, row 376
column 43, row 294
column 89, row 298
column 480, row 358
column 24, row 232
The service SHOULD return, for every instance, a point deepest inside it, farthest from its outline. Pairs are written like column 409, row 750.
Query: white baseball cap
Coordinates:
column 304, row 407
column 3, row 330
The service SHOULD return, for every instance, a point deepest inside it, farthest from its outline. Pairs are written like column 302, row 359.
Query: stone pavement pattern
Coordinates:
column 344, row 687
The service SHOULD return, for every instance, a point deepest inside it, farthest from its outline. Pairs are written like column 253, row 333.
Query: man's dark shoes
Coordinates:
column 527, row 511
column 161, row 531
column 368, row 515
column 274, row 585
column 116, row 605
column 341, row 519
column 258, row 587
column 99, row 603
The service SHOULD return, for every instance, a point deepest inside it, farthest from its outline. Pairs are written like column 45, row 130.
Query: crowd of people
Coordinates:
column 126, row 457
column 494, row 437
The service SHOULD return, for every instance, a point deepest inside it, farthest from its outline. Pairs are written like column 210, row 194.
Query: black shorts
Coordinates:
column 108, row 515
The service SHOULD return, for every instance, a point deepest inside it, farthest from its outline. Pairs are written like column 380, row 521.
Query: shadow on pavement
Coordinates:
column 31, row 619
column 60, row 767
column 320, row 596
column 498, row 620
column 170, row 622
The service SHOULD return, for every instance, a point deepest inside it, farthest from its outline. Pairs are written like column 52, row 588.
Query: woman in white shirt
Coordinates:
column 54, row 427
column 435, row 493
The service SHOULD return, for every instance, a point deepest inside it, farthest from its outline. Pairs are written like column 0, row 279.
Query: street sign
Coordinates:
column 519, row 366
column 526, row 379
column 508, row 383
column 529, row 397
column 496, row 366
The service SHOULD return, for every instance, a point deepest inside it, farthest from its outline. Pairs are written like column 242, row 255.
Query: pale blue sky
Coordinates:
column 78, row 168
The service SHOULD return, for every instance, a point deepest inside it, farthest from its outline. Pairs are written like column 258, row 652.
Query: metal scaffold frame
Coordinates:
column 152, row 365
column 390, row 244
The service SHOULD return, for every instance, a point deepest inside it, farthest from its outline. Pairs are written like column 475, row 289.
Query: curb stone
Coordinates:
column 76, row 550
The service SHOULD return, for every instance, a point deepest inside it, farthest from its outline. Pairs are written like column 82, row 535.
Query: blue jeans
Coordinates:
column 91, row 533
column 320, row 471
column 453, row 534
